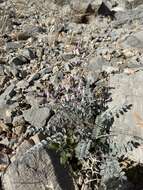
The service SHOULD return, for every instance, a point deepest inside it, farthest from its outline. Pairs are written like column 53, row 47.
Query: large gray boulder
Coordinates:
column 126, row 91
column 36, row 168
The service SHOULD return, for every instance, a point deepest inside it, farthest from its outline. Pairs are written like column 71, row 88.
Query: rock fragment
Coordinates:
column 19, row 60
column 85, row 5
column 36, row 168
column 18, row 120
column 28, row 53
column 129, row 4
column 95, row 66
column 123, row 91
column 12, row 46
column 135, row 40
column 18, row 36
column 8, row 93
column 37, row 117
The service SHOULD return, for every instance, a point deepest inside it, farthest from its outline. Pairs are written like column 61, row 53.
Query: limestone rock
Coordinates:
column 13, row 45
column 28, row 54
column 128, row 16
column 132, row 3
column 135, row 40
column 127, row 90
column 94, row 66
column 5, row 108
column 20, row 36
column 83, row 6
column 36, row 168
column 19, row 60
column 37, row 116
column 8, row 93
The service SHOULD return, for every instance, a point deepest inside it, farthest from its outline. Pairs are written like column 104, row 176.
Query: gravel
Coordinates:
column 51, row 51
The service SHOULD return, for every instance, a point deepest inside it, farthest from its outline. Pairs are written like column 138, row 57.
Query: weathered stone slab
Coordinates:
column 37, row 116
column 129, row 16
column 129, row 4
column 128, row 90
column 133, row 3
column 135, row 40
column 82, row 6
column 36, row 169
column 94, row 66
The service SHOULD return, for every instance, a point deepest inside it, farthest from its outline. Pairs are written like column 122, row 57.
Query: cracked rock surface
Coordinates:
column 36, row 169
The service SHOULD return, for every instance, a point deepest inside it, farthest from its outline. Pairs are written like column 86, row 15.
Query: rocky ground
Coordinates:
column 71, row 75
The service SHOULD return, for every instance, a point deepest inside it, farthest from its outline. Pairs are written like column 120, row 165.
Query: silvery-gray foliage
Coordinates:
column 82, row 149
column 81, row 128
column 112, row 173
